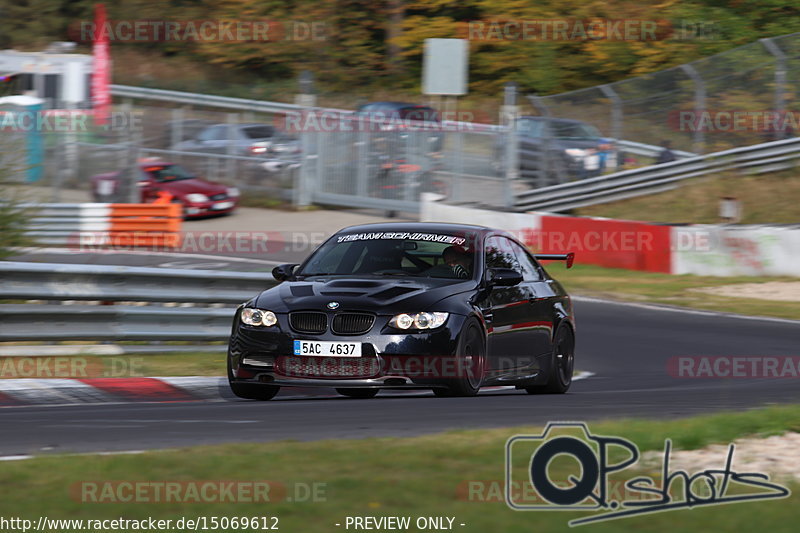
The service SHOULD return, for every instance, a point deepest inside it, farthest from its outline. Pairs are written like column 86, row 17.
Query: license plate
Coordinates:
column 327, row 348
column 222, row 205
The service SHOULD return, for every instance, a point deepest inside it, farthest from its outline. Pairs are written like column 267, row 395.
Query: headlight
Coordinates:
column 197, row 197
column 233, row 192
column 419, row 320
column 258, row 317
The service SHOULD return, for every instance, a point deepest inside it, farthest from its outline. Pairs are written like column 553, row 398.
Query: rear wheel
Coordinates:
column 358, row 393
column 562, row 363
column 470, row 364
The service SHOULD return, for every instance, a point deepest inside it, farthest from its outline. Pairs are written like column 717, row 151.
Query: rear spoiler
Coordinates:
column 569, row 258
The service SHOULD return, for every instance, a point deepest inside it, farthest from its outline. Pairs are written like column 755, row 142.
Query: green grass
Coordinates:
column 408, row 477
column 618, row 284
column 765, row 199
column 180, row 364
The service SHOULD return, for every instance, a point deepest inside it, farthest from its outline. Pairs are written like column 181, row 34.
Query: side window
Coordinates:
column 500, row 254
column 528, row 268
column 210, row 134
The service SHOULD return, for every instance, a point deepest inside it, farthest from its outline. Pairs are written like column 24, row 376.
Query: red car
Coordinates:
column 163, row 181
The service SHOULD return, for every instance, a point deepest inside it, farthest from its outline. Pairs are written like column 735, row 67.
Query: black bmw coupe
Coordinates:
column 447, row 307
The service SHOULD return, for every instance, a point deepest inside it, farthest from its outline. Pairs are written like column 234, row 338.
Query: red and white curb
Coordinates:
column 14, row 392
column 19, row 392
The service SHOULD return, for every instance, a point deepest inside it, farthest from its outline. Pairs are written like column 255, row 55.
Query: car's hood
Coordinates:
column 194, row 185
column 379, row 295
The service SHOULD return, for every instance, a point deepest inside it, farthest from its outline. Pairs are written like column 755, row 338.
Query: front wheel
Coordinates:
column 254, row 391
column 561, row 366
column 470, row 363
column 250, row 391
column 362, row 394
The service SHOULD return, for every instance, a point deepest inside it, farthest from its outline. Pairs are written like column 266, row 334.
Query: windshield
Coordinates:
column 163, row 173
column 421, row 113
column 258, row 132
column 573, row 130
column 393, row 254
column 561, row 130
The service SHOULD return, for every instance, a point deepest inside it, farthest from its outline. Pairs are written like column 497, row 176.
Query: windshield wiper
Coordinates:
column 396, row 274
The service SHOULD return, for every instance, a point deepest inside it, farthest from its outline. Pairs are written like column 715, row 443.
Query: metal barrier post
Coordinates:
column 616, row 110
column 231, row 119
column 699, row 138
column 780, row 79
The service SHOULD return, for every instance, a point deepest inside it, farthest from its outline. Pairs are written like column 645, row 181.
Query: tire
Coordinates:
column 561, row 366
column 470, row 365
column 362, row 394
column 251, row 391
column 254, row 391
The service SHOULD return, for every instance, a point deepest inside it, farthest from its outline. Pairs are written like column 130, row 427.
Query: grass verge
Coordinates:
column 765, row 199
column 422, row 476
column 617, row 284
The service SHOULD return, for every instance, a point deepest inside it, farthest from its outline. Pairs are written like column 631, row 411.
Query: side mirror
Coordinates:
column 504, row 277
column 283, row 272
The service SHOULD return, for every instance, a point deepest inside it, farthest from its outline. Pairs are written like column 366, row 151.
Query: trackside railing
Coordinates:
column 120, row 302
column 760, row 158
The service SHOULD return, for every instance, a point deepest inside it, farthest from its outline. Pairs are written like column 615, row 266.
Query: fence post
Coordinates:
column 616, row 110
column 302, row 187
column 780, row 79
column 699, row 138
column 509, row 114
column 131, row 168
column 362, row 159
column 176, row 132
column 230, row 167
column 547, row 153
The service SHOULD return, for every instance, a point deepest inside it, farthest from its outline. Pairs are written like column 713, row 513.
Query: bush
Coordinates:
column 13, row 216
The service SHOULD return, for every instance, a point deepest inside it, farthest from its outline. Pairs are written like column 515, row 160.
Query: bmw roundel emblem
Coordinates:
column 333, row 305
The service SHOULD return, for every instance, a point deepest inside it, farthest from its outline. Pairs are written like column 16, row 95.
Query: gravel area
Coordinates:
column 778, row 456
column 785, row 291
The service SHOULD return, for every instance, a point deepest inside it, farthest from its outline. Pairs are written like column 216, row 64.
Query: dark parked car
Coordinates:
column 447, row 307
column 199, row 197
column 575, row 149
column 418, row 124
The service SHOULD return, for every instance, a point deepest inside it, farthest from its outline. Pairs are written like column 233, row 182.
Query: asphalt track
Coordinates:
column 627, row 347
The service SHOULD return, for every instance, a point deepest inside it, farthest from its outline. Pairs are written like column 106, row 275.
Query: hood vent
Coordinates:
column 343, row 293
column 394, row 292
column 302, row 290
column 345, row 283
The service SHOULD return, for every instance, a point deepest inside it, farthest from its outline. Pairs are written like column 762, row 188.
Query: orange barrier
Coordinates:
column 140, row 225
column 146, row 210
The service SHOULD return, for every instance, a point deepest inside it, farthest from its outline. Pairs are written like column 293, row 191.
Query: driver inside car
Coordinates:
column 458, row 260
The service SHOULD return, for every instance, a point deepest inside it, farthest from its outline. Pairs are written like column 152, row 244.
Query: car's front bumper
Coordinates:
column 389, row 359
column 213, row 207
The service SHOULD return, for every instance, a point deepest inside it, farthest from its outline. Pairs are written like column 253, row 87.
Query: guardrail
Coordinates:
column 648, row 150
column 208, row 100
column 120, row 286
column 759, row 158
column 99, row 224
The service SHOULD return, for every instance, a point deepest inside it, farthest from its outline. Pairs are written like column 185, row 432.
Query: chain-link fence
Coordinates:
column 305, row 154
column 740, row 97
